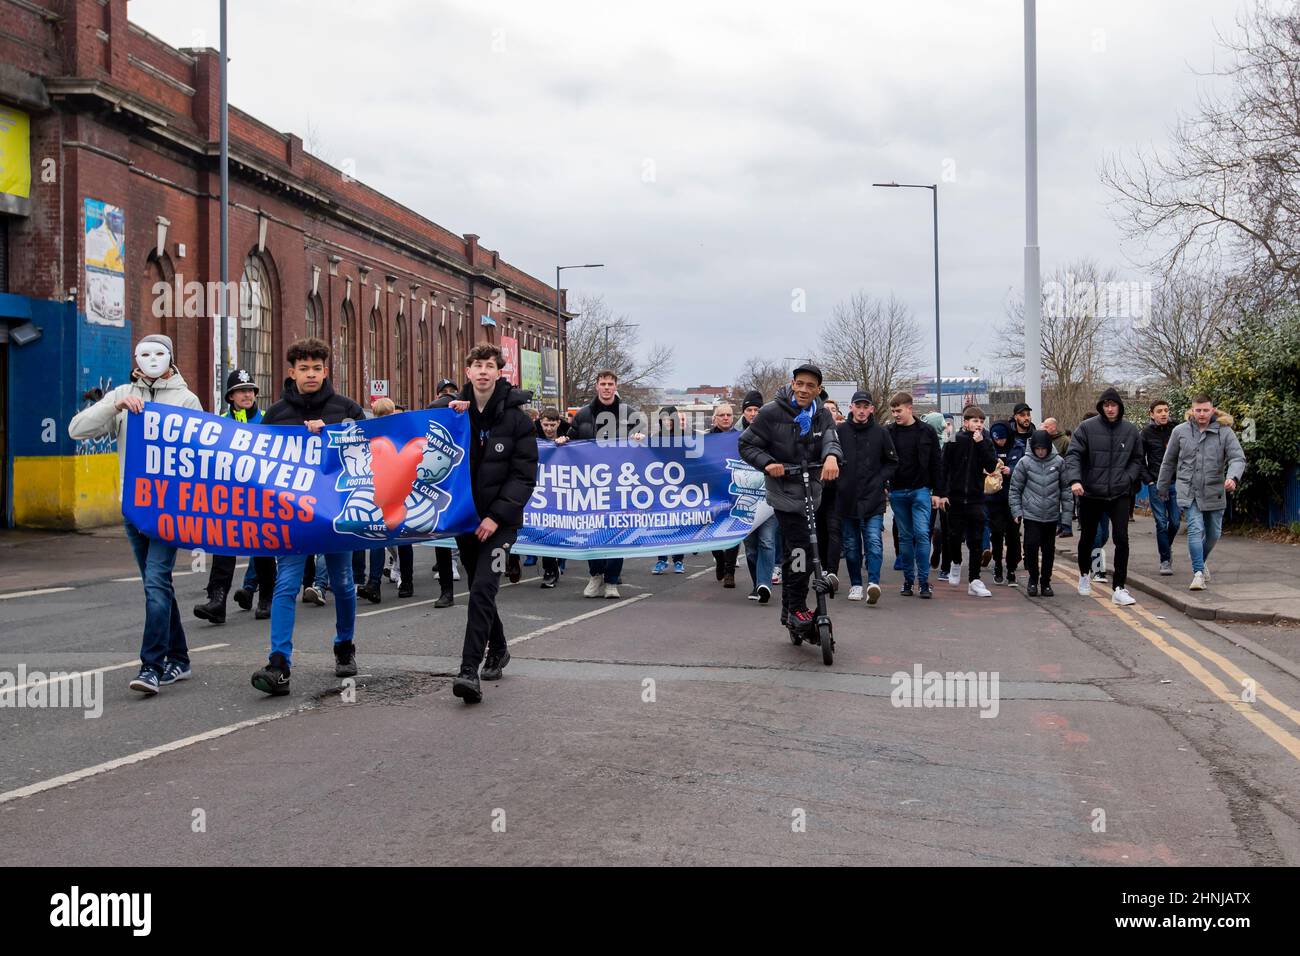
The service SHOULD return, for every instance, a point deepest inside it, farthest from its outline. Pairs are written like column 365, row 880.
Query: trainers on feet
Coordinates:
column 925, row 591
column 1085, row 585
column 495, row 664
column 986, row 557
column 855, row 593
column 977, row 589
column 906, row 589
column 595, row 586
column 1121, row 597
column 1046, row 591
column 764, row 594
column 1011, row 579
column 1032, row 588
column 611, row 591
column 997, row 574
column 753, row 595
column 776, row 576
column 1166, row 568
column 659, row 568
column 873, row 592
column 466, row 685
column 273, row 679
column 146, row 682
column 345, row 659
column 310, row 595
column 173, row 671
column 954, row 575
column 1198, row 582
column 550, row 580
column 679, row 567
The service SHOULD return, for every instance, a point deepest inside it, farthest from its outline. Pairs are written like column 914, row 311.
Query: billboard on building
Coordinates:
column 105, row 263
column 530, row 372
column 551, row 372
column 15, row 153
column 510, row 351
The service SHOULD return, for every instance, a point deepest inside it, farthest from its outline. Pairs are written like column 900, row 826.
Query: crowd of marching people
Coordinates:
column 1005, row 491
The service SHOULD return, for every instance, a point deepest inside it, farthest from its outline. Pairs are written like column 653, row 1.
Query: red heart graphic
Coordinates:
column 394, row 474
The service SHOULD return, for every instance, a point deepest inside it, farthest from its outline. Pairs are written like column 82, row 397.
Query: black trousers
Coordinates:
column 796, row 552
column 1003, row 530
column 830, row 532
column 484, row 561
column 406, row 563
column 1040, row 543
column 1090, row 512
column 966, row 522
column 223, row 575
column 726, row 560
column 442, row 564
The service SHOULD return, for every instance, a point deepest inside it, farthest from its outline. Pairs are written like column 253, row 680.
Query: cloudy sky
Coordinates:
column 718, row 156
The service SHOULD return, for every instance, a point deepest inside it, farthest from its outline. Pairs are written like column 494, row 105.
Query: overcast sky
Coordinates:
column 718, row 156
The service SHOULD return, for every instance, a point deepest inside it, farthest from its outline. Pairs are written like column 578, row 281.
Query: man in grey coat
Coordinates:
column 1205, row 458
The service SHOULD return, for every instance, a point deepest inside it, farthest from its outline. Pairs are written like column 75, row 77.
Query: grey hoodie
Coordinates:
column 103, row 418
column 1202, row 461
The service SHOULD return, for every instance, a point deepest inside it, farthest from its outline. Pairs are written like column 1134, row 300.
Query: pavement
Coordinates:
column 678, row 725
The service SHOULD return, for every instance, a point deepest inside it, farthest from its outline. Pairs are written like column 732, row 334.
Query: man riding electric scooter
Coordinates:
column 793, row 440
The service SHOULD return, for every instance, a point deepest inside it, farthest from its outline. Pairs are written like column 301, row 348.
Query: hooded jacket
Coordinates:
column 325, row 404
column 588, row 423
column 965, row 462
column 774, row 436
column 103, row 419
column 502, row 454
column 867, row 466
column 1038, row 489
column 1155, row 439
column 1201, row 461
column 1105, row 456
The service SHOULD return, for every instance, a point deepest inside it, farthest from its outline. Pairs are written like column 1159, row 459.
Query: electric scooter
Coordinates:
column 820, row 631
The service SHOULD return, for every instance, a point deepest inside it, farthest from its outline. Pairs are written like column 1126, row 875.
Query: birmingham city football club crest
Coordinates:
column 393, row 491
column 746, row 488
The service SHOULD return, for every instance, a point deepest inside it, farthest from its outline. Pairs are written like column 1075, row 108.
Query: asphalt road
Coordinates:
column 677, row 725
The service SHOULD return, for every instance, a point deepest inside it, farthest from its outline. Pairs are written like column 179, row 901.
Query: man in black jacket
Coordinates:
column 609, row 419
column 966, row 460
column 1167, row 514
column 869, row 464
column 503, row 473
column 1102, row 464
column 913, row 490
column 309, row 399
column 791, row 429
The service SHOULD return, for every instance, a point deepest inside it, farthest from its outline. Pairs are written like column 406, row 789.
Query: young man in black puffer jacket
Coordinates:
column 1102, row 465
column 869, row 463
column 503, row 472
column 309, row 399
column 966, row 460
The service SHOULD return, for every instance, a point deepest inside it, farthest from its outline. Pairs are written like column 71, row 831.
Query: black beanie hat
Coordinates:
column 752, row 397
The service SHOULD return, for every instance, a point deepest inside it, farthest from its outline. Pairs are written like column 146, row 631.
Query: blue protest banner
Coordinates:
column 200, row 481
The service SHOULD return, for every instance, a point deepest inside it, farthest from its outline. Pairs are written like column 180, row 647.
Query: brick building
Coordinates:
column 120, row 200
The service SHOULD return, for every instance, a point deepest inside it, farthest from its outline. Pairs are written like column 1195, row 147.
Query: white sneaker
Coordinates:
column 455, row 571
column 977, row 589
column 611, row 591
column 855, row 593
column 954, row 575
column 1166, row 568
column 1198, row 582
column 1121, row 597
column 1085, row 585
column 1205, row 575
column 595, row 586
column 873, row 593
column 776, row 576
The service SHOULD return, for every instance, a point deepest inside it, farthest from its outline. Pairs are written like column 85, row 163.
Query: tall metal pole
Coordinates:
column 938, row 373
column 224, row 320
column 563, row 333
column 1033, row 287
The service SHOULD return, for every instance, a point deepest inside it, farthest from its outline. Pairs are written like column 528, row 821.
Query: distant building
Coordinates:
column 957, row 394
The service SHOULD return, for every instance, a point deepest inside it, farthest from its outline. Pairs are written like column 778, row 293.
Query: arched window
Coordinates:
column 421, row 365
column 398, row 393
column 373, row 365
column 345, row 351
column 315, row 317
column 257, row 327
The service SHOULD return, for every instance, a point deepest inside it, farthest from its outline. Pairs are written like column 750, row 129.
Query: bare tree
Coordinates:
column 1187, row 314
column 1226, row 195
column 598, row 340
column 762, row 375
column 874, row 342
column 1078, row 303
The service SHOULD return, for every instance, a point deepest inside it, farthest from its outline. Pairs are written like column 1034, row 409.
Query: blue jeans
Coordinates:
column 611, row 568
column 859, row 535
column 164, row 638
column 284, row 603
column 1167, row 516
column 912, row 517
column 760, row 552
column 250, row 576
column 1203, row 530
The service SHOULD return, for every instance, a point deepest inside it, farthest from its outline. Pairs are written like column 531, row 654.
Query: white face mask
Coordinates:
column 153, row 359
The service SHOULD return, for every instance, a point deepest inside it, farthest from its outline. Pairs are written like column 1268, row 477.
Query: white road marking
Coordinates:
column 574, row 620
column 98, row 670
column 143, row 755
column 403, row 607
column 17, row 594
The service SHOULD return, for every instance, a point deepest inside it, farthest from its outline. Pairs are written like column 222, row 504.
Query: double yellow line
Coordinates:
column 1156, row 634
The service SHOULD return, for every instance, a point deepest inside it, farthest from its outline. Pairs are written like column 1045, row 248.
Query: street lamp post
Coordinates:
column 934, row 193
column 223, row 321
column 1033, row 275
column 616, row 325
column 563, row 330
